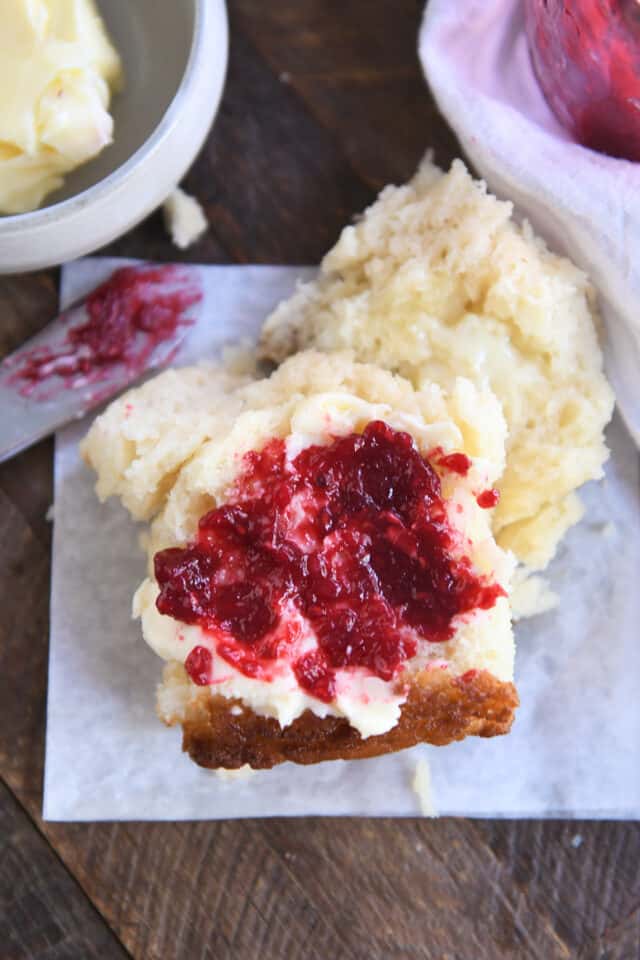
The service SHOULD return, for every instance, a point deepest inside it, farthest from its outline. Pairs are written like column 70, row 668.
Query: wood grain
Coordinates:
column 349, row 63
column 324, row 104
column 24, row 602
column 275, row 184
column 43, row 912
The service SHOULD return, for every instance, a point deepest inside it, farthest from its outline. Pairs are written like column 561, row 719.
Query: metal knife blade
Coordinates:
column 44, row 384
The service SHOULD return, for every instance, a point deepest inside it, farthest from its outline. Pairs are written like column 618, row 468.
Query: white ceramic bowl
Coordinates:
column 175, row 60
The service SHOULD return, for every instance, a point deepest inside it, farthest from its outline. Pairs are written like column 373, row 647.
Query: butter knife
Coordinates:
column 132, row 323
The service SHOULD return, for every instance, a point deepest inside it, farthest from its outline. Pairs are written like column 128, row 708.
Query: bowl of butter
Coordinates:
column 103, row 108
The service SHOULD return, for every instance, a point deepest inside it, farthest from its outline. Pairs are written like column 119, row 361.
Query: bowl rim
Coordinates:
column 40, row 217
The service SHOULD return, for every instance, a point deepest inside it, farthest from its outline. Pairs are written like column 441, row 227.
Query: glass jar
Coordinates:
column 586, row 55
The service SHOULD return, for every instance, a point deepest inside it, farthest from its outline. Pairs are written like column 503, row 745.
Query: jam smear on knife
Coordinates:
column 128, row 316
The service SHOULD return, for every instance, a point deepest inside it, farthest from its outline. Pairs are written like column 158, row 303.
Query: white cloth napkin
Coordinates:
column 585, row 204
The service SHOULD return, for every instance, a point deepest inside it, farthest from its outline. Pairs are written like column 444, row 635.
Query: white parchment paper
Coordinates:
column 575, row 747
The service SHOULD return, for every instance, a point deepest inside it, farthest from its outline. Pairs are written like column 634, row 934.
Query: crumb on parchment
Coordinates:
column 232, row 776
column 423, row 788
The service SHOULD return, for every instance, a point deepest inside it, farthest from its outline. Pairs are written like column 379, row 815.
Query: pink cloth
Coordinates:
column 587, row 205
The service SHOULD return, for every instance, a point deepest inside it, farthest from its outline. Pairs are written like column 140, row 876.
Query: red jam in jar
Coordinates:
column 353, row 537
column 586, row 55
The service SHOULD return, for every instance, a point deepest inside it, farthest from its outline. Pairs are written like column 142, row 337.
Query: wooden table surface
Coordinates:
column 324, row 104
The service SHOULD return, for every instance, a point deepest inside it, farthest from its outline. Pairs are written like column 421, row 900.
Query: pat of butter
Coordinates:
column 58, row 69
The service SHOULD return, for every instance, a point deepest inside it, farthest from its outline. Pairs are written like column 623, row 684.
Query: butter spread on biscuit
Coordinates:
column 320, row 549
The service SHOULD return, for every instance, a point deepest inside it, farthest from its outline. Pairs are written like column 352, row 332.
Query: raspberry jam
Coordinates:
column 488, row 499
column 129, row 315
column 586, row 54
column 455, row 462
column 351, row 539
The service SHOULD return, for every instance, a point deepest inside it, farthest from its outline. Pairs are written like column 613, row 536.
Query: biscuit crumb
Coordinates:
column 531, row 595
column 423, row 788
column 184, row 218
column 231, row 776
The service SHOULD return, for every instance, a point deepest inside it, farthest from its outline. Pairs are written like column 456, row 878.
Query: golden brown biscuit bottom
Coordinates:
column 439, row 709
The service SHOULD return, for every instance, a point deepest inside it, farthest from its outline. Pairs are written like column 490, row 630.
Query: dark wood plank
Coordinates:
column 24, row 602
column 43, row 912
column 275, row 184
column 621, row 941
column 415, row 889
column 27, row 481
column 590, row 867
column 324, row 104
column 198, row 890
column 356, row 69
column 26, row 305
